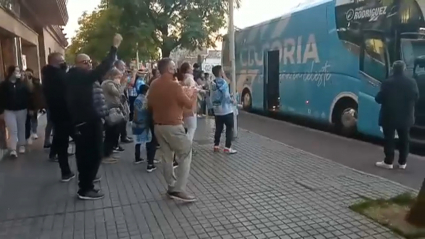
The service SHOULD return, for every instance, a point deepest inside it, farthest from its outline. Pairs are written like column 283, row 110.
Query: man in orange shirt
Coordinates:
column 167, row 99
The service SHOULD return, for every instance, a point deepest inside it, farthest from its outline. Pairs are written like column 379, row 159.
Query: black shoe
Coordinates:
column 119, row 149
column 97, row 179
column 151, row 168
column 53, row 159
column 175, row 164
column 139, row 161
column 47, row 146
column 127, row 140
column 68, row 177
column 90, row 195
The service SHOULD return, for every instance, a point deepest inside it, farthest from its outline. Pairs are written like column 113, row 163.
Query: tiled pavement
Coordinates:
column 267, row 190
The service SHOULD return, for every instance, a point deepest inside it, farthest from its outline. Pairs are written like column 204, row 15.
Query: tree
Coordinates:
column 168, row 24
column 94, row 36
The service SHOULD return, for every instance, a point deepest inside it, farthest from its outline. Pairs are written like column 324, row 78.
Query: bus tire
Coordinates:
column 246, row 100
column 344, row 116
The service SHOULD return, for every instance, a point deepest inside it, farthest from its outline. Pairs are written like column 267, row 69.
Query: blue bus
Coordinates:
column 325, row 60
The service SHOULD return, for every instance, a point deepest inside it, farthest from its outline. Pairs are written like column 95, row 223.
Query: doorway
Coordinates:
column 271, row 81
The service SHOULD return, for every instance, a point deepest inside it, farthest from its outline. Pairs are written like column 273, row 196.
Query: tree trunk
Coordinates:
column 416, row 215
column 165, row 52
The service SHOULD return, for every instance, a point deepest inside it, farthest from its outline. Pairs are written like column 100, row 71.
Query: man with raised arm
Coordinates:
column 86, row 104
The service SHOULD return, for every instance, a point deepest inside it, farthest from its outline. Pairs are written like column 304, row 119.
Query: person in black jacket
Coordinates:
column 398, row 96
column 15, row 103
column 54, row 90
column 38, row 103
column 86, row 104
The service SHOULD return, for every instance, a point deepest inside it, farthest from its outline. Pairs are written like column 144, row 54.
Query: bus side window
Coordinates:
column 374, row 59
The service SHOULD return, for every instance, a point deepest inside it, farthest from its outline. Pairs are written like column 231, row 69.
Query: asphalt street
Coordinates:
column 353, row 153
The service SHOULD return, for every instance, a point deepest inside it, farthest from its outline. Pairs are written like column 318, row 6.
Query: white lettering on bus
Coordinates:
column 319, row 77
column 291, row 51
column 372, row 13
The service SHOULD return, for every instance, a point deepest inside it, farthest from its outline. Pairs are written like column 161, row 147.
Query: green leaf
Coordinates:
column 167, row 24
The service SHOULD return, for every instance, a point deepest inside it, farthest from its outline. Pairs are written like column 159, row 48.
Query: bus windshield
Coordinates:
column 411, row 49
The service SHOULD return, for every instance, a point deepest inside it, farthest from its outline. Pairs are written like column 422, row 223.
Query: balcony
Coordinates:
column 58, row 31
column 12, row 6
column 50, row 12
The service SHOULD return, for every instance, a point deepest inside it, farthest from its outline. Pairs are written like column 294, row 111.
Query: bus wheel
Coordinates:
column 246, row 100
column 345, row 117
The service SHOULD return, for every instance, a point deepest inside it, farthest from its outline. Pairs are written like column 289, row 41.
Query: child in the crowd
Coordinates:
column 142, row 132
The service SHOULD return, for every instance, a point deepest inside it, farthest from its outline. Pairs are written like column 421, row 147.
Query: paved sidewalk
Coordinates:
column 267, row 190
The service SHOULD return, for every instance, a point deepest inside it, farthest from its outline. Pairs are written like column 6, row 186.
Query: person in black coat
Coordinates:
column 398, row 96
column 87, row 108
column 15, row 104
column 54, row 91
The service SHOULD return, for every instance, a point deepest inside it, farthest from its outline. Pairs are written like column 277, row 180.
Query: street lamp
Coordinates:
column 231, row 35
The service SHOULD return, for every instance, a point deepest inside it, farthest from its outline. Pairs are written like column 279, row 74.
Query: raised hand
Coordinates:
column 117, row 40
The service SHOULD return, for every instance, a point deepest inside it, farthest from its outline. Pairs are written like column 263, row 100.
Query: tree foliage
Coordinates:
column 168, row 24
column 94, row 36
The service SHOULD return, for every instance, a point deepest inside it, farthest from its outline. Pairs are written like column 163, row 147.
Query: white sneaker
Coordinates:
column 29, row 141
column 13, row 154
column 402, row 166
column 382, row 164
column 229, row 151
column 34, row 136
column 21, row 149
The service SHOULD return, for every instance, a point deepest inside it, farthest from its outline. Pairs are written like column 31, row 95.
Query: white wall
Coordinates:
column 208, row 64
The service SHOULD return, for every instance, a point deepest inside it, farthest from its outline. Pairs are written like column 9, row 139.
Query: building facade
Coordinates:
column 212, row 59
column 207, row 58
column 29, row 31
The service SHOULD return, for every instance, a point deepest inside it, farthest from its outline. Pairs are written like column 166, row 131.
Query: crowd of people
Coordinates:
column 93, row 107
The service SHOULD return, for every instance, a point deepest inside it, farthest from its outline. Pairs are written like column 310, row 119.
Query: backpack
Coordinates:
column 216, row 95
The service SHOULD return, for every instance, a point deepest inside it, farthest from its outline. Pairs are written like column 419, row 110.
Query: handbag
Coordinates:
column 115, row 116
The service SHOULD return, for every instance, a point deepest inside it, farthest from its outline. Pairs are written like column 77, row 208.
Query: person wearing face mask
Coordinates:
column 38, row 102
column 112, row 90
column 88, row 110
column 54, row 90
column 15, row 103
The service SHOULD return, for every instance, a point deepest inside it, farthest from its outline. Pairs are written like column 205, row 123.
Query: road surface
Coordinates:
column 353, row 153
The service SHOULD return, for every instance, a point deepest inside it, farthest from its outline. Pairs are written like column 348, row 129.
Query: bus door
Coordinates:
column 271, row 81
column 374, row 68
